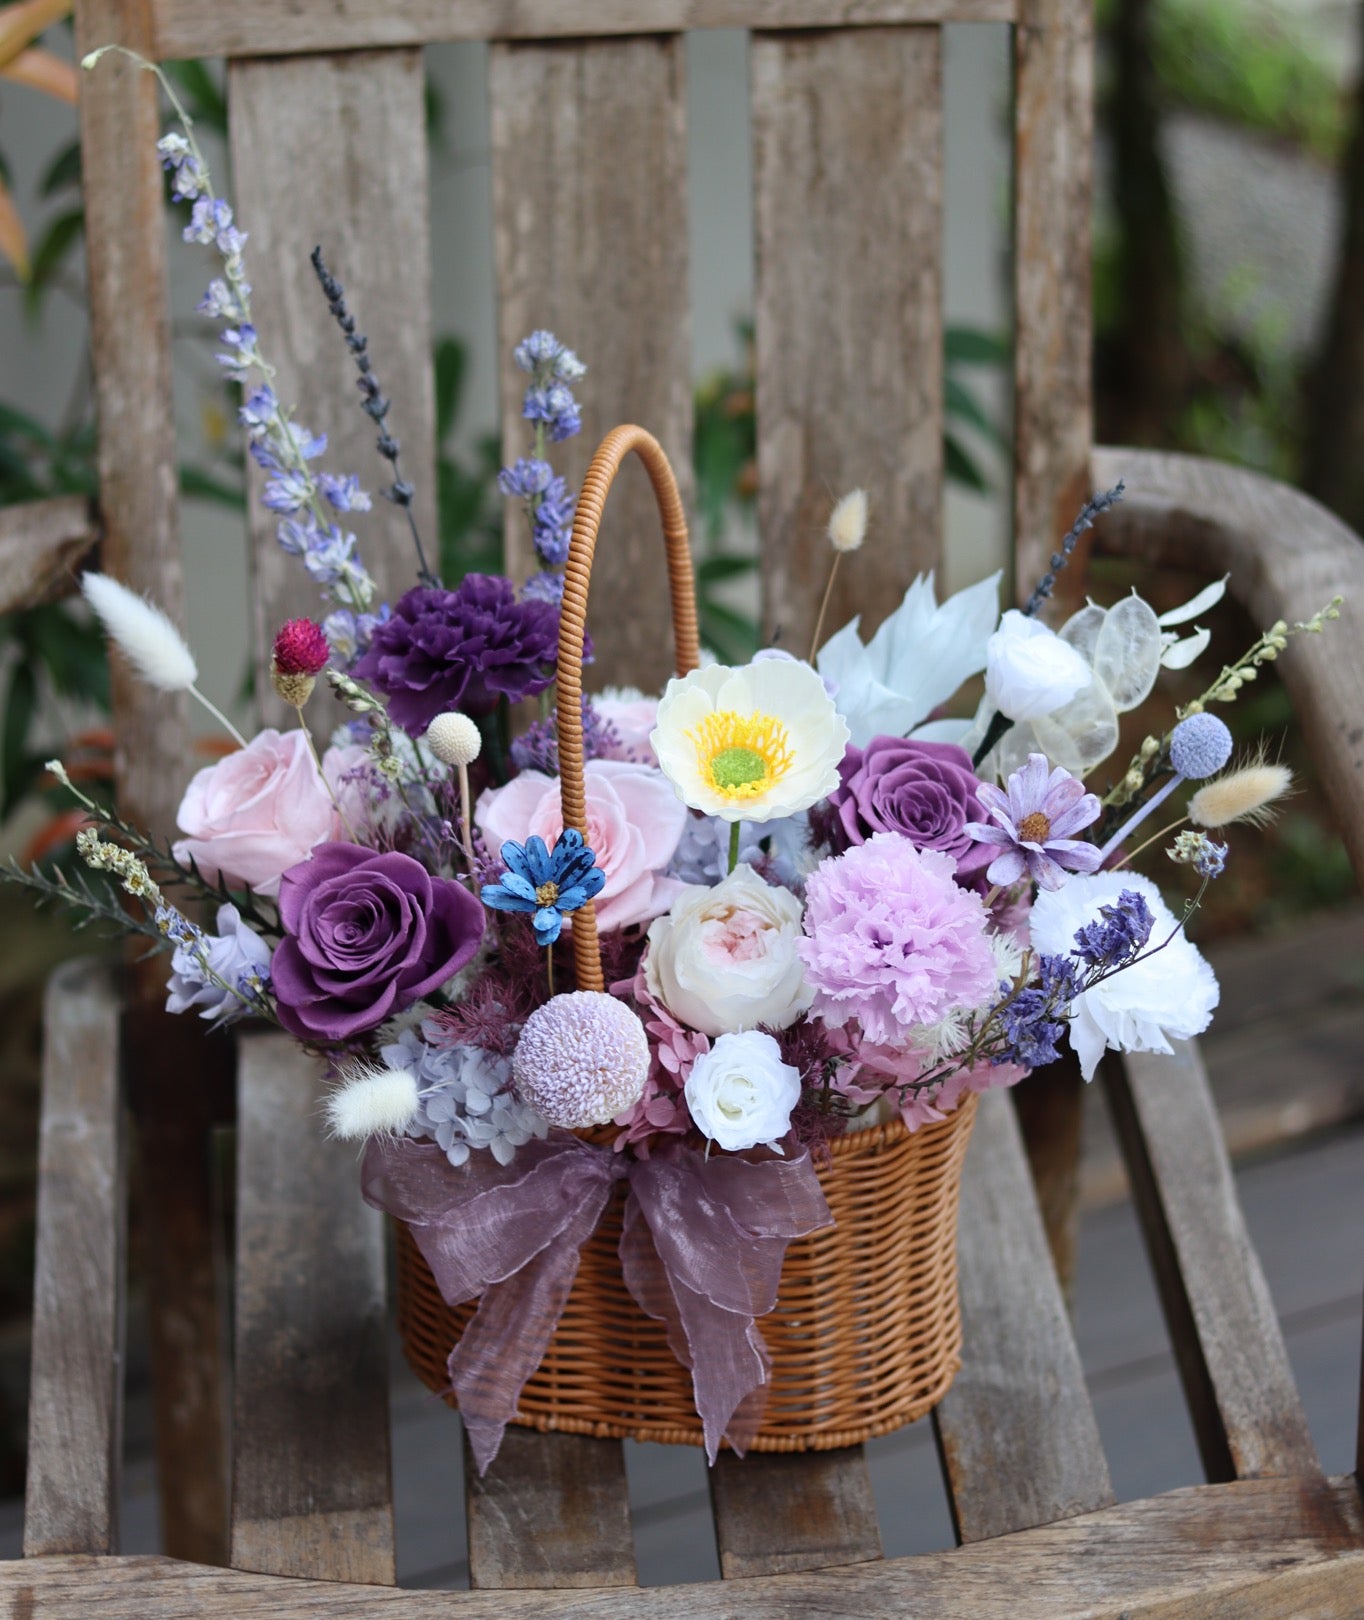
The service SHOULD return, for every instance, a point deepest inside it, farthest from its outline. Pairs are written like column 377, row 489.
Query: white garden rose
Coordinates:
column 741, row 1094
column 724, row 959
column 1029, row 670
column 1168, row 994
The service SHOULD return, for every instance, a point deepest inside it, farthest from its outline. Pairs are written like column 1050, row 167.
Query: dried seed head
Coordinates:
column 1248, row 794
column 848, row 521
column 454, row 739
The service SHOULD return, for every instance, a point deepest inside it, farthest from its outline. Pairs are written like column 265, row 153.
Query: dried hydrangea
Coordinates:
column 464, row 1098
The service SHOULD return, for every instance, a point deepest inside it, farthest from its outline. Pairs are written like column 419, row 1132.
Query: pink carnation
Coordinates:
column 632, row 719
column 892, row 941
column 634, row 822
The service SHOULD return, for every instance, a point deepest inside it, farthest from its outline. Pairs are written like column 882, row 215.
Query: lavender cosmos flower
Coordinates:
column 460, row 649
column 548, row 883
column 1037, row 815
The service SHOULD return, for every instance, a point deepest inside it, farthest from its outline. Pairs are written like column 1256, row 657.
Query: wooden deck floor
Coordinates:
column 1283, row 1064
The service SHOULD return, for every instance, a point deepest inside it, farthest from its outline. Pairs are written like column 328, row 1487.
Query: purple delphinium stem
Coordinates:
column 375, row 405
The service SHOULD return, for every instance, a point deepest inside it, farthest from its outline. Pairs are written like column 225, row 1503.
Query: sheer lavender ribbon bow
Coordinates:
column 701, row 1251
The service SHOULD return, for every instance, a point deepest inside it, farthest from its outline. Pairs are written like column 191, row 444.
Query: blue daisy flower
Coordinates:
column 548, row 883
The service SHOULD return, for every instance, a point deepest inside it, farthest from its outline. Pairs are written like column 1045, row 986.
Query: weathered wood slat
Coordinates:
column 75, row 1414
column 589, row 172
column 1053, row 158
column 1230, row 1350
column 41, row 545
column 1016, row 1432
column 776, row 1512
column 847, row 150
column 1192, row 513
column 311, row 1494
column 130, row 337
column 1254, row 1550
column 1050, row 1115
column 206, row 28
column 552, row 1511
column 361, row 196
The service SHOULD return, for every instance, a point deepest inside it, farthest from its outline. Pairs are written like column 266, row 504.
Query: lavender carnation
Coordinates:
column 460, row 649
column 892, row 941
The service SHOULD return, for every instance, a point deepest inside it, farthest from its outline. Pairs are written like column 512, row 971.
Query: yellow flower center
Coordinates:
column 1034, row 828
column 741, row 755
column 547, row 894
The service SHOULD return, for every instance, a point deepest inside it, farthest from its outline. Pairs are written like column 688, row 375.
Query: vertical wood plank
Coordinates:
column 590, row 230
column 75, row 1415
column 777, row 1513
column 130, row 339
column 1016, row 1432
column 330, row 151
column 311, row 1492
column 1050, row 1106
column 1228, row 1345
column 847, row 173
column 552, row 1511
column 125, row 240
column 1053, row 327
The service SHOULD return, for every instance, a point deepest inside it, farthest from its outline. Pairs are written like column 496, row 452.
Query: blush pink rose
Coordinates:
column 632, row 717
column 258, row 812
column 634, row 822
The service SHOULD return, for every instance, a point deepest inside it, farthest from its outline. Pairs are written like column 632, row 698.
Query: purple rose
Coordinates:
column 923, row 790
column 460, row 649
column 366, row 935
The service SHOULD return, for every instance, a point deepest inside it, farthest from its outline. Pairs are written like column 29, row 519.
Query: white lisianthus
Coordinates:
column 750, row 744
column 724, row 958
column 917, row 659
column 741, row 1094
column 1167, row 994
column 1029, row 670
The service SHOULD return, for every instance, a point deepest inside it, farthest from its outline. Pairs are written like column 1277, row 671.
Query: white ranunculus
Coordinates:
column 741, row 1094
column 1029, row 670
column 1168, row 994
column 724, row 959
column 917, row 659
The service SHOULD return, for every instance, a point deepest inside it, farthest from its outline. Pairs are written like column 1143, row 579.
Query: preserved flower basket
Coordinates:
column 866, row 1333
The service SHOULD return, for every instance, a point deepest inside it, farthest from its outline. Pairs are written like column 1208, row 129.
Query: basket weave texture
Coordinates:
column 865, row 1337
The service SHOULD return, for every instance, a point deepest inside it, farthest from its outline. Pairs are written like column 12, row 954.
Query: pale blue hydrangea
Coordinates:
column 465, row 1100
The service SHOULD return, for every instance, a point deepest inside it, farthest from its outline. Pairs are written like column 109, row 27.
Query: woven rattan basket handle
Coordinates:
column 614, row 448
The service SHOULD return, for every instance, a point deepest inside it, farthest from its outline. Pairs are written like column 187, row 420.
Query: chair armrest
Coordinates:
column 1287, row 557
column 40, row 544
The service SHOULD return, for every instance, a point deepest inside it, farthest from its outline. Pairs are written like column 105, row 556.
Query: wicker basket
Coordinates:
column 866, row 1333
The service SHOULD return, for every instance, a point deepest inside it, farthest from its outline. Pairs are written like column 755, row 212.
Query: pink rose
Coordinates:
column 633, row 718
column 634, row 822
column 258, row 812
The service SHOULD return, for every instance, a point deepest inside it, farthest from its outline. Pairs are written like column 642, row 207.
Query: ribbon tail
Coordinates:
column 510, row 1331
column 722, row 1349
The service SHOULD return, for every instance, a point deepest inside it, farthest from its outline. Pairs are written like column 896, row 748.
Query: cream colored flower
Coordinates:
column 750, row 744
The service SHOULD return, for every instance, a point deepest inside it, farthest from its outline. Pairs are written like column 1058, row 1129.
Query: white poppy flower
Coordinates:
column 741, row 1094
column 1167, row 994
column 750, row 744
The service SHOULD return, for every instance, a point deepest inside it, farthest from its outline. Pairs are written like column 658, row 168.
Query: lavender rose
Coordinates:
column 366, row 935
column 925, row 791
column 460, row 649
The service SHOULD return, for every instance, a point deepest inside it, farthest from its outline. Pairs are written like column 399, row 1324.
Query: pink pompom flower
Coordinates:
column 301, row 648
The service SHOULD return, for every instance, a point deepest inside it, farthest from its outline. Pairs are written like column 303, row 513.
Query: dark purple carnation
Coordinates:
column 366, row 935
column 923, row 790
column 460, row 649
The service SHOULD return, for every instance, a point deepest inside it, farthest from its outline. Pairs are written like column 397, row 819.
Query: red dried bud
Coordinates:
column 301, row 648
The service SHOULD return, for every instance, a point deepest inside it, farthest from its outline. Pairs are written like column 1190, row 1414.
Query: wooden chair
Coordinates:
column 589, row 193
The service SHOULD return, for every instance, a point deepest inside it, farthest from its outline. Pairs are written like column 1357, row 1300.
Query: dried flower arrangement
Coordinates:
column 822, row 908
